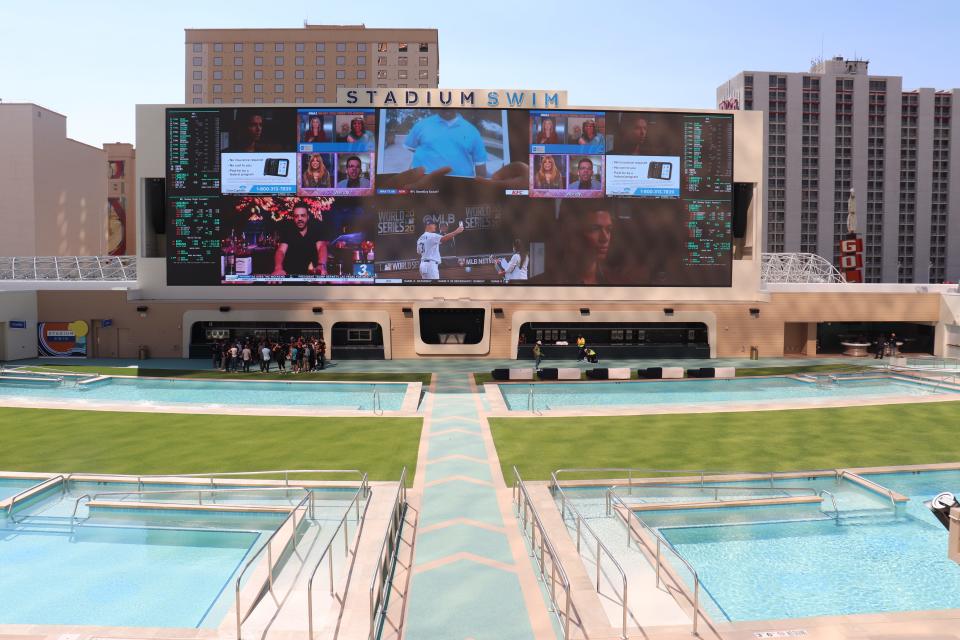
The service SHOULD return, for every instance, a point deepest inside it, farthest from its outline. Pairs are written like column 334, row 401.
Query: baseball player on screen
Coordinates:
column 428, row 248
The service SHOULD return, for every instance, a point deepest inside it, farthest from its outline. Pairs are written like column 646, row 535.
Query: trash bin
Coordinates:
column 142, row 352
column 754, row 353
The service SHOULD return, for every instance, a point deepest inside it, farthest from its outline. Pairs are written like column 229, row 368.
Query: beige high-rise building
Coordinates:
column 304, row 65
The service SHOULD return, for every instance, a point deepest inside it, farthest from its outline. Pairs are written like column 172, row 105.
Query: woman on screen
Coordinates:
column 590, row 137
column 314, row 131
column 315, row 174
column 359, row 133
column 548, row 174
column 581, row 255
column 548, row 132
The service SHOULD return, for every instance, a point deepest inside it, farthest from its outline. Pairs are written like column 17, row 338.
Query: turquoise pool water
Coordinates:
column 873, row 562
column 12, row 486
column 702, row 392
column 138, row 568
column 144, row 391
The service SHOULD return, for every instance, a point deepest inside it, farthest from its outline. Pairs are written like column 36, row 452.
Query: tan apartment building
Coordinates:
column 304, row 65
column 54, row 188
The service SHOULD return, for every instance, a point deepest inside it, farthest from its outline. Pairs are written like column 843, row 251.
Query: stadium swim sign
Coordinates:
column 454, row 98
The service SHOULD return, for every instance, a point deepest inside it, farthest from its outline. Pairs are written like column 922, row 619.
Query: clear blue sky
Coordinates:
column 94, row 60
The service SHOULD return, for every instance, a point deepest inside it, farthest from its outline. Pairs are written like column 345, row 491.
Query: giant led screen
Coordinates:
column 340, row 196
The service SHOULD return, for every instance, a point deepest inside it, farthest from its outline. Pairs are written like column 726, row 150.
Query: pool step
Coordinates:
column 43, row 524
column 866, row 516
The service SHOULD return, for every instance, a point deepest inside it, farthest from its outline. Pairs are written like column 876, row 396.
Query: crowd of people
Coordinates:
column 301, row 354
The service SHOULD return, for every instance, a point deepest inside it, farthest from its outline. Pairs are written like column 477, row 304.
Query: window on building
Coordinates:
column 258, row 46
column 321, row 46
column 298, row 61
column 237, row 47
column 361, row 60
column 197, row 88
column 198, row 75
column 402, row 60
column 422, row 86
column 319, row 88
column 341, row 46
column 298, row 74
column 278, row 47
column 258, row 61
column 197, row 47
column 238, row 75
column 238, row 61
column 341, row 74
column 278, row 74
column 218, row 75
column 402, row 47
column 218, row 47
column 424, row 47
column 197, row 61
column 361, row 46
column 218, row 88
column 238, row 100
column 298, row 88
column 299, row 47
column 402, row 85
column 380, row 85
column 382, row 74
column 197, row 101
column 258, row 74
column 341, row 86
column 321, row 74
column 424, row 74
column 258, row 101
column 321, row 60
column 423, row 61
column 238, row 88
column 278, row 88
column 381, row 60
column 218, row 61
column 361, row 85
column 402, row 74
column 382, row 47
column 341, row 60
column 278, row 100
column 258, row 88
column 278, row 60
column 361, row 74
column 298, row 99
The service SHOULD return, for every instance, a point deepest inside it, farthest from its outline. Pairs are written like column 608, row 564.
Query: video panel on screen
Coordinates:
column 340, row 196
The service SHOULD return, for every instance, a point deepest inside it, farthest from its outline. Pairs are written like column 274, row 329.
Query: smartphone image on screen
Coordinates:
column 660, row 170
column 276, row 167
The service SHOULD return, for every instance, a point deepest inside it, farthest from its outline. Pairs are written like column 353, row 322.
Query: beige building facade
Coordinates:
column 54, row 188
column 304, row 65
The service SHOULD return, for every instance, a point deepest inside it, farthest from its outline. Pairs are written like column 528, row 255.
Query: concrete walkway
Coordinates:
column 472, row 578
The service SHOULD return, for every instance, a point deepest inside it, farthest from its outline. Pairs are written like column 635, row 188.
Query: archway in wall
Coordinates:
column 617, row 339
column 356, row 341
column 204, row 333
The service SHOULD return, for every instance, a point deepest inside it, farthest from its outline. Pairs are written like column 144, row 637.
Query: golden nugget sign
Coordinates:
column 439, row 98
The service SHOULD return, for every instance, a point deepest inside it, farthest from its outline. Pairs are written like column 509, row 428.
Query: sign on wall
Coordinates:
column 62, row 339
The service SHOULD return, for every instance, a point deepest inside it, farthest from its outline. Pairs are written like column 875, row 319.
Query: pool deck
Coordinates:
column 472, row 576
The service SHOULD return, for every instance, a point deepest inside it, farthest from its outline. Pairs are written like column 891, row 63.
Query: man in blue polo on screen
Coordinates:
column 585, row 178
column 354, row 171
column 446, row 139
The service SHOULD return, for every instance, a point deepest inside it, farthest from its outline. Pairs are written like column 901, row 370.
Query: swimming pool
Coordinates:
column 159, row 391
column 704, row 392
column 142, row 567
column 10, row 487
column 808, row 563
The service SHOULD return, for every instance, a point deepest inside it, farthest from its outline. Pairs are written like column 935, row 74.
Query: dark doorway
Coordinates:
column 916, row 338
column 357, row 341
column 452, row 326
column 617, row 339
column 204, row 334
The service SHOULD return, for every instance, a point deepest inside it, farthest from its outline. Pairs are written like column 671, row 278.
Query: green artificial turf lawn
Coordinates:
column 144, row 443
column 803, row 439
column 254, row 374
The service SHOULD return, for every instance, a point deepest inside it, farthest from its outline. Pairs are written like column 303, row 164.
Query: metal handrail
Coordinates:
column 387, row 558
column 716, row 490
column 200, row 493
column 879, row 488
column 833, row 499
column 700, row 473
column 377, row 402
column 602, row 549
column 226, row 474
column 35, row 489
column 76, row 505
column 525, row 505
column 661, row 542
column 364, row 491
column 240, row 617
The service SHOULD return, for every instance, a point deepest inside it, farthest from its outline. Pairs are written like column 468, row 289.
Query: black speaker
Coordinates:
column 742, row 197
column 155, row 200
